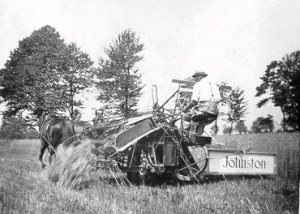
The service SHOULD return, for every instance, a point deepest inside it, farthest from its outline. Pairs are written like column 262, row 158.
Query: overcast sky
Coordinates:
column 233, row 41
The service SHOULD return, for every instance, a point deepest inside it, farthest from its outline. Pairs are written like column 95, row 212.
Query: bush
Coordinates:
column 32, row 134
column 14, row 127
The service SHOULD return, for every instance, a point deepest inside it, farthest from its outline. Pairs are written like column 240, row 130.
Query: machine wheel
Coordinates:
column 134, row 178
column 193, row 161
column 200, row 155
column 139, row 177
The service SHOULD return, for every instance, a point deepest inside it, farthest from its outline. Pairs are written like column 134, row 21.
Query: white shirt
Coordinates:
column 206, row 90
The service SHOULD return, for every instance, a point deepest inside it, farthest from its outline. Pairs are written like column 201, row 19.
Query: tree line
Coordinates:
column 46, row 72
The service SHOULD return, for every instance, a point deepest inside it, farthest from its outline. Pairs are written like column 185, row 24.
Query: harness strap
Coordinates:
column 45, row 138
column 49, row 144
column 51, row 147
column 212, row 93
column 44, row 125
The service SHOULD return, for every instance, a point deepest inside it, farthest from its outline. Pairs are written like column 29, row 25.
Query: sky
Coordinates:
column 233, row 41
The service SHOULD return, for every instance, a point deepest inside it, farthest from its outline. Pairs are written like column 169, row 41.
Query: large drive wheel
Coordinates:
column 192, row 162
column 200, row 155
column 138, row 178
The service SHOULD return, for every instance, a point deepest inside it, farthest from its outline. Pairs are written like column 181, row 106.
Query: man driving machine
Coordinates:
column 204, row 101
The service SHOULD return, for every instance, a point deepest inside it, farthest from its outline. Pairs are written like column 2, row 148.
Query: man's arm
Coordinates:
column 189, row 106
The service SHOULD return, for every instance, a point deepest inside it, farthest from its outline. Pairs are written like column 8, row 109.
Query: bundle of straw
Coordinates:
column 72, row 167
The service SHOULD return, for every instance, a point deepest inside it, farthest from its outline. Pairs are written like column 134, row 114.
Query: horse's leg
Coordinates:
column 43, row 147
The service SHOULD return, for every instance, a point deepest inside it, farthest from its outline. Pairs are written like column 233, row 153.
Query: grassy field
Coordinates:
column 24, row 187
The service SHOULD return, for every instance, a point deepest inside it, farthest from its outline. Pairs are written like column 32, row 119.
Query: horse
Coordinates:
column 225, row 114
column 53, row 132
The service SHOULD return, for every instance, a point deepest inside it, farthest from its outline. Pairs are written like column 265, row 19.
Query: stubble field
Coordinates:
column 24, row 187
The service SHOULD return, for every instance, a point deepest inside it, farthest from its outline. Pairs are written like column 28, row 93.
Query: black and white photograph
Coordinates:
column 147, row 106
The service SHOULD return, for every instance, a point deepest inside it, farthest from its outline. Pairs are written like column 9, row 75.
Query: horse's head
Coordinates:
column 98, row 119
column 43, row 118
column 225, row 111
column 39, row 111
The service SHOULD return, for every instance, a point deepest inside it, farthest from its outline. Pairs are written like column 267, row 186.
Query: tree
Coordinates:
column 30, row 75
column 281, row 85
column 119, row 80
column 44, row 72
column 77, row 76
column 241, row 127
column 263, row 124
column 238, row 105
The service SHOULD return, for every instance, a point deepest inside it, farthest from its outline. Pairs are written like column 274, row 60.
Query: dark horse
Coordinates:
column 53, row 132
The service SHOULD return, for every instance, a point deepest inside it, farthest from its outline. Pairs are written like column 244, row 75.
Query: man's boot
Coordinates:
column 194, row 128
column 193, row 132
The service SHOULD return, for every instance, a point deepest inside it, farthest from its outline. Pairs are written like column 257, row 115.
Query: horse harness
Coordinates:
column 44, row 126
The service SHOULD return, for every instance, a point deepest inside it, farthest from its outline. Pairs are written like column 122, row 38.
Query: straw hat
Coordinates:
column 200, row 73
